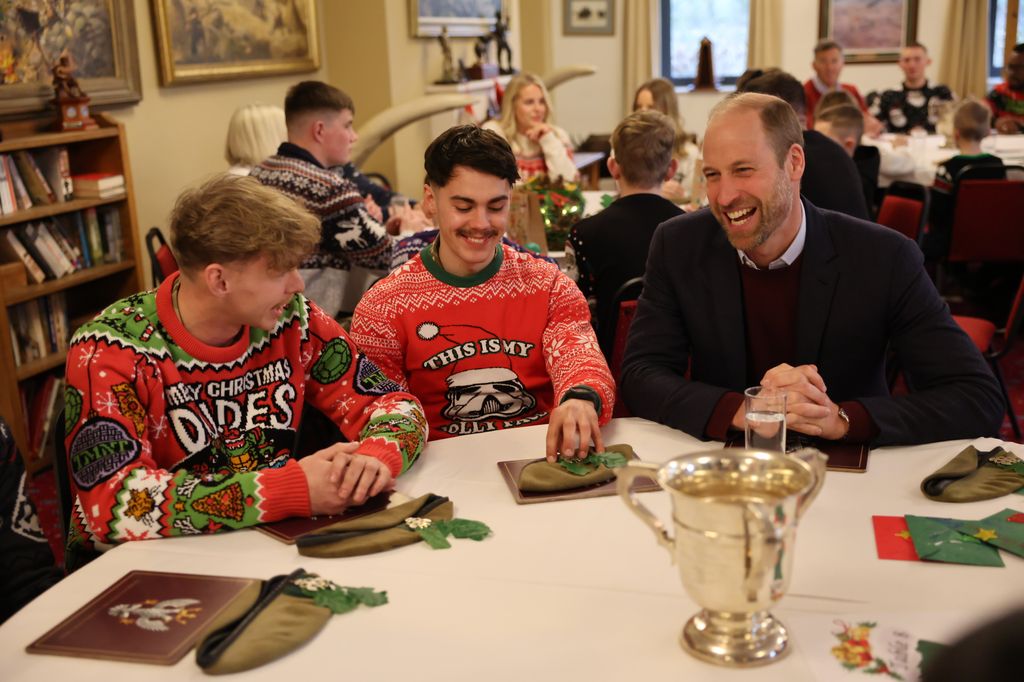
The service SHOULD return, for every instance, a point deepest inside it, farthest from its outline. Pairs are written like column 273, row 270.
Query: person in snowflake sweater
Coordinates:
column 183, row 402
column 320, row 136
column 486, row 337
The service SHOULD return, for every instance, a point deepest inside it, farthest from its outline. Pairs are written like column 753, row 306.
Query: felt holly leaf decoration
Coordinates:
column 466, row 529
column 335, row 597
column 433, row 536
column 582, row 467
column 367, row 596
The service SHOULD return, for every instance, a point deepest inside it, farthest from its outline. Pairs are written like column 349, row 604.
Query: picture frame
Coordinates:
column 870, row 31
column 194, row 46
column 463, row 19
column 588, row 17
column 106, row 62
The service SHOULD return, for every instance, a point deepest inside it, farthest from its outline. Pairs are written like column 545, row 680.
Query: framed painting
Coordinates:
column 869, row 30
column 97, row 35
column 463, row 18
column 207, row 40
column 588, row 17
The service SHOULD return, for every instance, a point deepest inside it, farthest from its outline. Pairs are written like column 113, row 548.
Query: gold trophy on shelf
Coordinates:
column 735, row 514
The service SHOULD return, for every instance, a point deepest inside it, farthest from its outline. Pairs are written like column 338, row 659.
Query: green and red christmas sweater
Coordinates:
column 169, row 436
column 492, row 351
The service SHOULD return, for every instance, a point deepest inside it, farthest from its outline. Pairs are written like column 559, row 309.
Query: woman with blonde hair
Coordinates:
column 540, row 146
column 254, row 133
column 659, row 94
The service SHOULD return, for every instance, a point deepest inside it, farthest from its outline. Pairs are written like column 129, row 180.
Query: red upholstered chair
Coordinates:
column 984, row 335
column 161, row 258
column 905, row 209
column 987, row 218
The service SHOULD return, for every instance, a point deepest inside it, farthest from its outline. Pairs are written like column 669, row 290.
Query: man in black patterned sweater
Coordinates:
column 320, row 136
column 917, row 104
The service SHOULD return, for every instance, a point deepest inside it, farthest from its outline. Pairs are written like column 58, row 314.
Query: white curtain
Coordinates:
column 640, row 45
column 964, row 58
column 765, row 47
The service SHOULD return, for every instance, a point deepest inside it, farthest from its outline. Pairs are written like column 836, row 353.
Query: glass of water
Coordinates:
column 765, row 417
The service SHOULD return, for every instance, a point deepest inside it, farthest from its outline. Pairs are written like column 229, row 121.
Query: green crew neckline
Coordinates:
column 435, row 268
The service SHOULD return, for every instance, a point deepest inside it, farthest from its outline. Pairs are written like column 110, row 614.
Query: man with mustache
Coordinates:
column 764, row 288
column 486, row 337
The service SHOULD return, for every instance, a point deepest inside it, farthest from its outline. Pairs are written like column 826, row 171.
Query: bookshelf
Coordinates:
column 85, row 291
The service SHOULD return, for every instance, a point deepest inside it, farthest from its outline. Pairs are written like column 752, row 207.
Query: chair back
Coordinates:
column 161, row 259
column 987, row 217
column 905, row 209
column 1013, row 323
column 627, row 311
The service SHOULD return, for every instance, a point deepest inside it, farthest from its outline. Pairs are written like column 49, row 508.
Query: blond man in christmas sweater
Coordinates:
column 183, row 403
column 486, row 337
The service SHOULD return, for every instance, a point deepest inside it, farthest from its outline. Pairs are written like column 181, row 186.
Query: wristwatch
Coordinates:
column 846, row 418
column 583, row 392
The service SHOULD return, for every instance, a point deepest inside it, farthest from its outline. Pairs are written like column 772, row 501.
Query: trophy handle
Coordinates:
column 624, row 477
column 759, row 530
column 816, row 461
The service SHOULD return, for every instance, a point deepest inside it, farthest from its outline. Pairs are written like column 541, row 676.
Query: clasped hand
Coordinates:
column 809, row 410
column 338, row 477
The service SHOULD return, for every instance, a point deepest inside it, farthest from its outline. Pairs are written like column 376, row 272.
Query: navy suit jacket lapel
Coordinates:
column 818, row 278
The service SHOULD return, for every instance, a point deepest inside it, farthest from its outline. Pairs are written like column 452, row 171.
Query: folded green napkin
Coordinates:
column 1004, row 530
column 375, row 532
column 547, row 477
column 974, row 475
column 938, row 540
column 275, row 618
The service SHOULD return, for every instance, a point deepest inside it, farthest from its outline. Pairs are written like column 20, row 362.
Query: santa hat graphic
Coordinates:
column 477, row 368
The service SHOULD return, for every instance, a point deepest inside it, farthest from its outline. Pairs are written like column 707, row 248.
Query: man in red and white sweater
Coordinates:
column 183, row 403
column 486, row 337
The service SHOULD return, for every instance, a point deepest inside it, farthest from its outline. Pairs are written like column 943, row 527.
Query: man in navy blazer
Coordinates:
column 764, row 288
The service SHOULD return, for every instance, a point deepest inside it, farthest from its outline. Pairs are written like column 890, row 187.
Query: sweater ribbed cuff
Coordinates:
column 284, row 493
column 862, row 426
column 385, row 450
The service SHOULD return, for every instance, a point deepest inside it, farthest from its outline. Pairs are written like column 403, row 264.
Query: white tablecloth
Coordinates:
column 573, row 590
column 923, row 155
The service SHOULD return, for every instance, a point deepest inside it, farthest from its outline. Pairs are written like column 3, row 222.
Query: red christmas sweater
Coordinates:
column 169, row 436
column 492, row 351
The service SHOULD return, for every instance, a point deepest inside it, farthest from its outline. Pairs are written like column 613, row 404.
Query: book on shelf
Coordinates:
column 83, row 238
column 27, row 239
column 44, row 410
column 33, row 178
column 92, row 225
column 51, row 231
column 98, row 185
column 38, row 336
column 111, row 220
column 40, row 327
column 24, row 200
column 13, row 250
column 46, row 245
column 56, row 167
column 8, row 202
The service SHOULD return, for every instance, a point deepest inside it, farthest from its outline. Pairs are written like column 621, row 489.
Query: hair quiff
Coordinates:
column 643, row 144
column 846, row 120
column 314, row 97
column 231, row 218
column 778, row 119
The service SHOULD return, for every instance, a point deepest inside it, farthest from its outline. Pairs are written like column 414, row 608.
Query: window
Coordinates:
column 998, row 10
column 685, row 22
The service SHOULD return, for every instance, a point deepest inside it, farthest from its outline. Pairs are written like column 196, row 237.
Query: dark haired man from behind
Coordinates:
column 486, row 337
column 765, row 288
column 832, row 180
column 320, row 136
column 610, row 248
column 1006, row 100
column 183, row 403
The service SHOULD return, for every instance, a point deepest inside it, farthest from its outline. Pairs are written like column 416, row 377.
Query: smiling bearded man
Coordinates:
column 765, row 288
column 488, row 338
